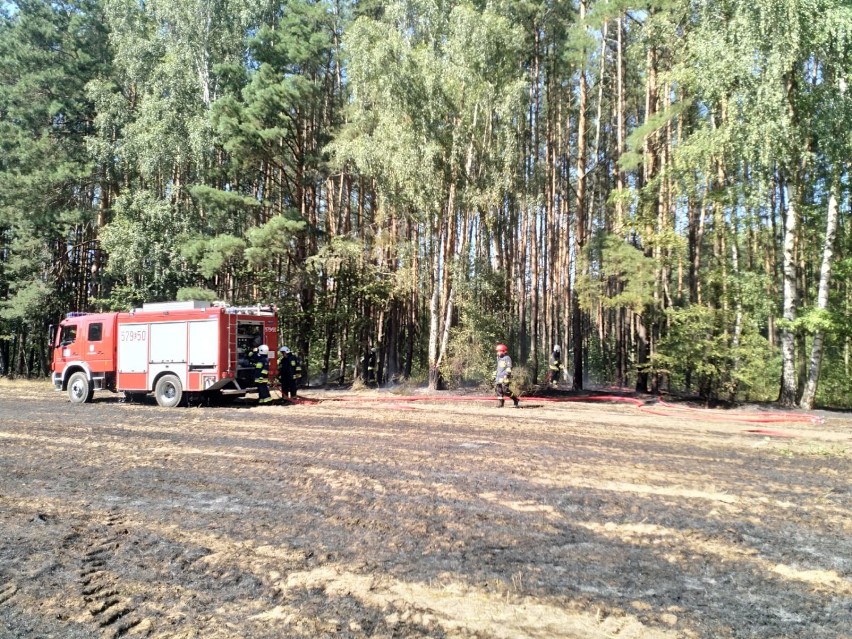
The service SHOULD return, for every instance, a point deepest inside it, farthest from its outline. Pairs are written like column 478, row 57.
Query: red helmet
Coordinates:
column 501, row 349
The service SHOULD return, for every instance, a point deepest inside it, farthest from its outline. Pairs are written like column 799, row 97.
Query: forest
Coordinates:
column 661, row 187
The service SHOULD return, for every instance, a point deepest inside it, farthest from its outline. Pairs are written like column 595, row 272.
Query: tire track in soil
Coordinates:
column 100, row 587
column 8, row 591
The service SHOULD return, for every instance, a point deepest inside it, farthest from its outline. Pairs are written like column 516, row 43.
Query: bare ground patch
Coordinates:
column 418, row 520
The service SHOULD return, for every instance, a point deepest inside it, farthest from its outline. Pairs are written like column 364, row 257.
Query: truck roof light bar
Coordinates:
column 188, row 305
column 250, row 310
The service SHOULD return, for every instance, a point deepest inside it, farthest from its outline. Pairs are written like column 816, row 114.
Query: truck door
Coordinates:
column 98, row 345
column 68, row 348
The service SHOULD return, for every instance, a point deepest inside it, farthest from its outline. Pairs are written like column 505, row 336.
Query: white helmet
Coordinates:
column 556, row 349
column 263, row 349
column 283, row 349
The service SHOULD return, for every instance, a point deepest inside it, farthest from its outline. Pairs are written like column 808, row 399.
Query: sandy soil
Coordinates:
column 397, row 519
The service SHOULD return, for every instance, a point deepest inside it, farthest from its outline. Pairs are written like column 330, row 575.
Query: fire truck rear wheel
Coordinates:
column 80, row 389
column 168, row 391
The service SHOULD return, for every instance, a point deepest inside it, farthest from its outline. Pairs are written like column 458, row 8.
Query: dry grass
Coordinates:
column 429, row 519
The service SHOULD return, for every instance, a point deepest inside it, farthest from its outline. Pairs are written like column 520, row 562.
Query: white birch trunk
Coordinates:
column 787, row 396
column 445, row 337
column 435, row 305
column 433, row 334
column 738, row 320
column 807, row 400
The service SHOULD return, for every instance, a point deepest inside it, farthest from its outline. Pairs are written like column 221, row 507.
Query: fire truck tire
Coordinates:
column 80, row 389
column 168, row 391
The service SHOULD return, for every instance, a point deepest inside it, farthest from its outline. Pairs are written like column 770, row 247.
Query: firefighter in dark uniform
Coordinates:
column 260, row 359
column 250, row 357
column 289, row 372
column 503, row 376
column 554, row 373
column 296, row 365
column 285, row 373
column 369, row 367
column 251, row 353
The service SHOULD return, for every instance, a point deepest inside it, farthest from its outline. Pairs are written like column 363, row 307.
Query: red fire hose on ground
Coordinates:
column 652, row 407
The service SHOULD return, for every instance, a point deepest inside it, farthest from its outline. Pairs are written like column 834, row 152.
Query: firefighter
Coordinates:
column 296, row 365
column 285, row 373
column 251, row 353
column 368, row 367
column 260, row 359
column 554, row 374
column 289, row 372
column 503, row 376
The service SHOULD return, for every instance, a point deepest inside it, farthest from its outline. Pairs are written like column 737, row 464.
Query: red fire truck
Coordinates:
column 173, row 349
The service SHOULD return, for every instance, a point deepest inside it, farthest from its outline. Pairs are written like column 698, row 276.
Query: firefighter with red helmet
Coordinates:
column 503, row 376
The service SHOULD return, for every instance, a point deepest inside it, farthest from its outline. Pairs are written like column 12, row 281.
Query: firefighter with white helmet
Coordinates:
column 260, row 359
column 289, row 372
column 503, row 376
column 554, row 373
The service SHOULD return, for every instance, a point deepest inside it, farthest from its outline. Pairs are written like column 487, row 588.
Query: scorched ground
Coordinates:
column 428, row 519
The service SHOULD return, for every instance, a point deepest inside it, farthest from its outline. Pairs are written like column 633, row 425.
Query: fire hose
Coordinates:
column 651, row 407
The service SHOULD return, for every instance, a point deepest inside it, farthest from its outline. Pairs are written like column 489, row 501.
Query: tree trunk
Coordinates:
column 580, row 230
column 641, row 355
column 787, row 395
column 620, row 130
column 445, row 336
column 434, row 309
column 738, row 306
column 807, row 401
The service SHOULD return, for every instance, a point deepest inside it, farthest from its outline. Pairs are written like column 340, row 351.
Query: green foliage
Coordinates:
column 340, row 256
column 621, row 276
column 469, row 358
column 48, row 53
column 422, row 97
column 522, row 380
column 698, row 353
column 483, row 321
column 224, row 209
column 815, row 319
column 308, row 152
column 835, row 383
column 219, row 254
column 195, row 293
column 275, row 238
column 654, row 124
column 29, row 299
column 145, row 247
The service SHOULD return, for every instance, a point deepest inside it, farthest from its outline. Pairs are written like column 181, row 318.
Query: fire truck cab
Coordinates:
column 174, row 350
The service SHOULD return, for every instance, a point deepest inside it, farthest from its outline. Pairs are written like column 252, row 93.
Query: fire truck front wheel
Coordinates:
column 80, row 389
column 168, row 391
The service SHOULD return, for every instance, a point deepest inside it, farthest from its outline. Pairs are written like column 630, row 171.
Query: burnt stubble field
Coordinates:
column 430, row 519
